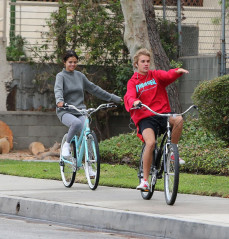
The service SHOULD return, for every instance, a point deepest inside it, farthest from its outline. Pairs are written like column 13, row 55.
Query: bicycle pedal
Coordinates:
column 61, row 163
column 145, row 190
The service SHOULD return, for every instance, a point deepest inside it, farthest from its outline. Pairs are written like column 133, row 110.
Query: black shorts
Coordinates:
column 157, row 123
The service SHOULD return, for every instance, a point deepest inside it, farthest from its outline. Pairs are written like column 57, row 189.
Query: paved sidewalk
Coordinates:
column 119, row 209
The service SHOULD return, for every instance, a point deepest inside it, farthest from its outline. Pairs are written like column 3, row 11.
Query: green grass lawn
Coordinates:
column 119, row 176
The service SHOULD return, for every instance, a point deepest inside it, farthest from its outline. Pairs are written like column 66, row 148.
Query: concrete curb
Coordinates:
column 110, row 219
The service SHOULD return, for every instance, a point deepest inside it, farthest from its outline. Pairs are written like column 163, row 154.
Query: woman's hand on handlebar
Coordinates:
column 60, row 104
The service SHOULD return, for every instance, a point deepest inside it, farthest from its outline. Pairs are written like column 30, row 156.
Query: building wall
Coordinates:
column 200, row 69
column 5, row 75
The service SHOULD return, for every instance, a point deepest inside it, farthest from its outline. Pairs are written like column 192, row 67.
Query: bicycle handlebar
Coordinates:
column 164, row 115
column 90, row 110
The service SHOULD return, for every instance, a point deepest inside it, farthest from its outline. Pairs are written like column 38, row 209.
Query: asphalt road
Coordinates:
column 12, row 227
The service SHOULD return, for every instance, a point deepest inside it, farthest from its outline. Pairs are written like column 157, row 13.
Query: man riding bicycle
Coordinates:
column 149, row 87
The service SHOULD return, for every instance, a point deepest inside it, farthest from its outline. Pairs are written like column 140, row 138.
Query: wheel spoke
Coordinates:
column 68, row 166
column 152, row 181
column 171, row 179
column 92, row 161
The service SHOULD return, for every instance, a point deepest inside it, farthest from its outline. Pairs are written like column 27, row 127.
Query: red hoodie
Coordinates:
column 150, row 90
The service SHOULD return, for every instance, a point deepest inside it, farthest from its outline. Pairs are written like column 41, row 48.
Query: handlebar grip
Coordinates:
column 65, row 106
column 111, row 105
column 139, row 105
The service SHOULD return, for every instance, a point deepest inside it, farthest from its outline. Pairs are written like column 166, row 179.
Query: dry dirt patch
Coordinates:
column 25, row 155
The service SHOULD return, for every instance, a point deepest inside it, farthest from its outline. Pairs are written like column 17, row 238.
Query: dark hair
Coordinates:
column 69, row 54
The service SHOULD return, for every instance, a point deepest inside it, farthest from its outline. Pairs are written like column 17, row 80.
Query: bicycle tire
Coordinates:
column 92, row 160
column 67, row 170
column 171, row 176
column 147, row 195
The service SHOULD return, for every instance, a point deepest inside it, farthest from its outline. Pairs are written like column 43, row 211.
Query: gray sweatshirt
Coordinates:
column 69, row 88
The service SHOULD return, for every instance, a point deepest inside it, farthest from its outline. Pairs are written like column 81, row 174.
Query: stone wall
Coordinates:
column 45, row 127
column 31, row 126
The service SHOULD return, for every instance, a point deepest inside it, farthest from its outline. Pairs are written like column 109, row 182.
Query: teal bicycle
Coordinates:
column 85, row 146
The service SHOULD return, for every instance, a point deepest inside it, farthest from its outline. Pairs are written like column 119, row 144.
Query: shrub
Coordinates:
column 212, row 98
column 202, row 151
column 15, row 52
column 122, row 74
column 125, row 148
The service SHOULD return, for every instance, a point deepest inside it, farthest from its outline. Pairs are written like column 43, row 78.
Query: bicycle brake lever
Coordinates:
column 195, row 107
column 65, row 105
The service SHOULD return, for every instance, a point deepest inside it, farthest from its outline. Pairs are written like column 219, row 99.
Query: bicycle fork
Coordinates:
column 166, row 151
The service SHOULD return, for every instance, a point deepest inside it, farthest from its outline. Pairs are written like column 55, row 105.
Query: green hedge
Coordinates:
column 202, row 151
column 212, row 99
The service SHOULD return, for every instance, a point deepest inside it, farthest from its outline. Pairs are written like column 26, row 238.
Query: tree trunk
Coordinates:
column 5, row 132
column 136, row 33
column 160, row 58
column 36, row 148
column 53, row 152
column 141, row 31
column 4, row 146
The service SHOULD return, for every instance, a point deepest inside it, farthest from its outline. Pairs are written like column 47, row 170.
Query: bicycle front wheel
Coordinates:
column 68, row 165
column 147, row 195
column 92, row 161
column 171, row 174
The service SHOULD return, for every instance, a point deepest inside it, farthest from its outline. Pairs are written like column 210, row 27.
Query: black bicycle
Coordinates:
column 166, row 160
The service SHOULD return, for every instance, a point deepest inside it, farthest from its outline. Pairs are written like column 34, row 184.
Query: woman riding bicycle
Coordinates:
column 69, row 88
column 149, row 87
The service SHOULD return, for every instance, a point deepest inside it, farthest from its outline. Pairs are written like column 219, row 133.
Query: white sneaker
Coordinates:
column 66, row 150
column 181, row 161
column 92, row 173
column 144, row 185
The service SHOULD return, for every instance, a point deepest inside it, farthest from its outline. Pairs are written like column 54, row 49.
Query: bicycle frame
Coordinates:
column 80, row 142
column 81, row 147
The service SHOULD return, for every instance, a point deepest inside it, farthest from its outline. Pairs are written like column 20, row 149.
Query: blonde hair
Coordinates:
column 140, row 52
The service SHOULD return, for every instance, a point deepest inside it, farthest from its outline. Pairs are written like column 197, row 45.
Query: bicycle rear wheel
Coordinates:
column 68, row 167
column 147, row 195
column 171, row 174
column 92, row 161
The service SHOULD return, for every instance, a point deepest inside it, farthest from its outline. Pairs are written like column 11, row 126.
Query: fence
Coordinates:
column 28, row 20
column 199, row 24
column 202, row 23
